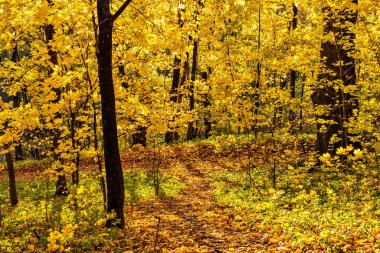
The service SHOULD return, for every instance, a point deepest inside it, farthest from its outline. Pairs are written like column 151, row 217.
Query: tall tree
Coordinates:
column 16, row 103
column 61, row 183
column 172, row 135
column 191, row 134
column 334, row 105
column 114, row 173
column 293, row 74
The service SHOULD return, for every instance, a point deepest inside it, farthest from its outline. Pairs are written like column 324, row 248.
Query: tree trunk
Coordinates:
column 191, row 134
column 258, row 79
column 140, row 136
column 184, row 77
column 293, row 74
column 60, row 184
column 94, row 117
column 114, row 173
column 16, row 103
column 172, row 135
column 340, row 66
column 74, row 145
column 12, row 179
column 207, row 104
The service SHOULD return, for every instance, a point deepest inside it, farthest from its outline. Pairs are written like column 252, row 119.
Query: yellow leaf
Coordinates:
column 43, row 12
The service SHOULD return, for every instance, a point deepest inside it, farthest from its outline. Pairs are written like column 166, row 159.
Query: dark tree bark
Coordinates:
column 114, row 173
column 95, row 117
column 293, row 74
column 172, row 135
column 340, row 69
column 12, row 179
column 256, row 83
column 191, row 134
column 207, row 104
column 140, row 136
column 16, row 103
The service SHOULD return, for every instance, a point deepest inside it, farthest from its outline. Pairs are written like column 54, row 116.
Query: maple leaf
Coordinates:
column 42, row 12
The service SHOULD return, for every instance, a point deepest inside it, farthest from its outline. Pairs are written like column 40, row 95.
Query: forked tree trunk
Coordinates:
column 114, row 173
column 340, row 70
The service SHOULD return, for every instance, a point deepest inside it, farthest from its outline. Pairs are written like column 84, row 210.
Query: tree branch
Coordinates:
column 120, row 10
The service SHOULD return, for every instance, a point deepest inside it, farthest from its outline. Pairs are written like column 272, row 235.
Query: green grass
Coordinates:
column 325, row 210
column 139, row 186
column 27, row 227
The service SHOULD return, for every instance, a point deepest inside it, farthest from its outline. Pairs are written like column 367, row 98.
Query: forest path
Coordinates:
column 192, row 221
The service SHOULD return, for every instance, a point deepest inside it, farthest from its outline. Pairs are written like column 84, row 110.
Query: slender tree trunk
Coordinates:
column 257, row 82
column 191, row 134
column 114, row 173
column 185, row 74
column 16, row 103
column 74, row 144
column 12, row 179
column 293, row 74
column 341, row 69
column 207, row 104
column 172, row 135
column 61, row 184
column 301, row 109
column 18, row 148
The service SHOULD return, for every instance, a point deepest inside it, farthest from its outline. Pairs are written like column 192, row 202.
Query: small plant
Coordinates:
column 156, row 167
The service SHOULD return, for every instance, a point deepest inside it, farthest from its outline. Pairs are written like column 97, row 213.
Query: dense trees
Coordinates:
column 167, row 71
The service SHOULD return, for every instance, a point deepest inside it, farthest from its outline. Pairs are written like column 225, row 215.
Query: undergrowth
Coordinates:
column 333, row 208
column 42, row 222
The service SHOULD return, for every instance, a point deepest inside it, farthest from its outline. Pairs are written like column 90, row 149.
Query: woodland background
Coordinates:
column 265, row 112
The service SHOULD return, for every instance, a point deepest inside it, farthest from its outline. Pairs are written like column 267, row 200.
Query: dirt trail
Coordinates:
column 193, row 221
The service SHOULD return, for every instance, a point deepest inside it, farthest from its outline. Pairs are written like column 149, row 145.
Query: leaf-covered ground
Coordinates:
column 193, row 221
column 204, row 205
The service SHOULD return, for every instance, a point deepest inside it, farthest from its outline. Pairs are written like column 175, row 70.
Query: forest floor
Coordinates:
column 192, row 221
column 204, row 205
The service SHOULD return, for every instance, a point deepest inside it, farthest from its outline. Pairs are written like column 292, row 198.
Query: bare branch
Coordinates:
column 120, row 10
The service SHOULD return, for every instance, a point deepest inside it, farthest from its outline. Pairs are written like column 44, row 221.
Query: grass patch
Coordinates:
column 42, row 222
column 140, row 186
column 328, row 211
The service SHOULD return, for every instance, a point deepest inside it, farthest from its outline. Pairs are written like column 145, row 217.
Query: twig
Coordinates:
column 36, row 234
